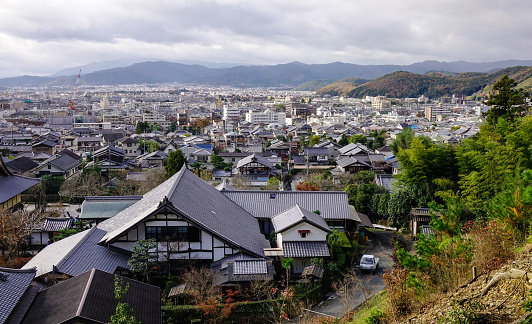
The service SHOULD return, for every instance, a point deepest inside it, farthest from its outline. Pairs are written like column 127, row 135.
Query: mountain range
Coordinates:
column 281, row 75
column 402, row 84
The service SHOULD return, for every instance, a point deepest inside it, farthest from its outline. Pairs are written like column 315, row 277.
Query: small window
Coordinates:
column 49, row 166
column 303, row 233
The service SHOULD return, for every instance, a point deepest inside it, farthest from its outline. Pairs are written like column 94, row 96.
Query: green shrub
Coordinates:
column 375, row 317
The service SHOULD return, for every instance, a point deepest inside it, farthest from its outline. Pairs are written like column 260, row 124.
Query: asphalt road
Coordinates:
column 372, row 283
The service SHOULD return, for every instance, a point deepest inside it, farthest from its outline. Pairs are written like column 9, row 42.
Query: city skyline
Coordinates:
column 44, row 38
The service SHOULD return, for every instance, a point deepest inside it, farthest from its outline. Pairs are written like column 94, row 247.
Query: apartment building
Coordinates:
column 266, row 117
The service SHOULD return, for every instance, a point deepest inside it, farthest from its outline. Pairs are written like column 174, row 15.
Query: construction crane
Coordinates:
column 75, row 91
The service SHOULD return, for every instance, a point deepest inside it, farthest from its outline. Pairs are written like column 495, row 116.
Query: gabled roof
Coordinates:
column 353, row 146
column 113, row 150
column 266, row 204
column 359, row 217
column 254, row 158
column 225, row 186
column 13, row 185
column 21, row 164
column 90, row 297
column 199, row 203
column 296, row 215
column 13, row 285
column 63, row 162
column 69, row 153
column 350, row 160
column 328, row 143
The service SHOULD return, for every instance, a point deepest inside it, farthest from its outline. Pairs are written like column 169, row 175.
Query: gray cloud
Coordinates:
column 42, row 37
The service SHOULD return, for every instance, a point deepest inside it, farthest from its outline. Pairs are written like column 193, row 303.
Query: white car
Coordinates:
column 369, row 262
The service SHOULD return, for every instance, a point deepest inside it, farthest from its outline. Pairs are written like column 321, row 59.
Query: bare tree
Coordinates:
column 258, row 290
column 170, row 249
column 83, row 184
column 154, row 177
column 199, row 281
column 16, row 225
column 241, row 183
column 349, row 286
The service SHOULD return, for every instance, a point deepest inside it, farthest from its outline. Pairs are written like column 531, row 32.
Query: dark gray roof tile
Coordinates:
column 296, row 215
column 13, row 285
column 266, row 204
column 11, row 186
column 201, row 204
column 305, row 249
column 90, row 297
column 56, row 224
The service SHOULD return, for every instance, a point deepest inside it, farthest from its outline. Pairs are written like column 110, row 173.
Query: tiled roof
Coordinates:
column 359, row 217
column 344, row 161
column 225, row 186
column 64, row 162
column 69, row 153
column 296, row 215
column 105, row 207
column 105, row 150
column 56, row 224
column 254, row 158
column 316, row 151
column 13, row 285
column 53, row 254
column 21, row 164
column 201, row 204
column 90, row 255
column 266, row 204
column 357, row 147
column 90, row 297
column 14, row 185
column 305, row 249
column 78, row 253
column 313, row 270
column 251, row 266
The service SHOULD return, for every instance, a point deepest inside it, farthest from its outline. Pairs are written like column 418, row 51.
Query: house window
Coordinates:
column 49, row 166
column 173, row 233
column 303, row 233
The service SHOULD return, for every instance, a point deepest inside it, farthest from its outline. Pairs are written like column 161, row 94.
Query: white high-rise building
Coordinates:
column 231, row 113
column 266, row 117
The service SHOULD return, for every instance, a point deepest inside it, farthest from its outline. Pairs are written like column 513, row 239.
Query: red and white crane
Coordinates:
column 75, row 91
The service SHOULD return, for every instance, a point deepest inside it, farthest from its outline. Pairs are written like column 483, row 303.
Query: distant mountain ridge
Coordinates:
column 403, row 84
column 287, row 75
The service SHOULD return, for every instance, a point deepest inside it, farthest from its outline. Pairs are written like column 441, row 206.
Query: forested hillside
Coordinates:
column 480, row 195
column 433, row 84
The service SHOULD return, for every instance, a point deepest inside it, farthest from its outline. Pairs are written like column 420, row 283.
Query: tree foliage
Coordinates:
column 358, row 138
column 123, row 313
column 51, row 184
column 505, row 101
column 176, row 160
column 143, row 258
column 307, row 186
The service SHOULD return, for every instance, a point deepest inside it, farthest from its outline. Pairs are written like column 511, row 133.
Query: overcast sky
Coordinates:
column 40, row 37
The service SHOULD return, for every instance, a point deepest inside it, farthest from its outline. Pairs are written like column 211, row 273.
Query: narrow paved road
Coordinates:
column 379, row 246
